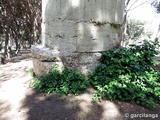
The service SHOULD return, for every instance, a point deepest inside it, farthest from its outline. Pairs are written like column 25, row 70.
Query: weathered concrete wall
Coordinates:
column 82, row 25
column 78, row 30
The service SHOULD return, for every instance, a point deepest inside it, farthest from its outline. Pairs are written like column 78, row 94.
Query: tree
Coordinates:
column 129, row 7
column 136, row 32
column 20, row 23
column 156, row 5
column 124, row 27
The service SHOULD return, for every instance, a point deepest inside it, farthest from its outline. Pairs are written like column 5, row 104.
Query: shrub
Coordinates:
column 64, row 82
column 126, row 74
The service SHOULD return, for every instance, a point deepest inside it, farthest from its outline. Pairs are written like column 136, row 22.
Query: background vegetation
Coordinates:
column 136, row 32
column 20, row 24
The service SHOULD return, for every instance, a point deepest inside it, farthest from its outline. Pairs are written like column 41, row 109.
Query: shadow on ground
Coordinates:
column 54, row 107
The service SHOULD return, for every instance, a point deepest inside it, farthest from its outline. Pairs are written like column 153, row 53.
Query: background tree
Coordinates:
column 129, row 7
column 20, row 24
column 156, row 5
column 136, row 32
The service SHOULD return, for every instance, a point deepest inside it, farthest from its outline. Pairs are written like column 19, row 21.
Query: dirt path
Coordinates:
column 19, row 102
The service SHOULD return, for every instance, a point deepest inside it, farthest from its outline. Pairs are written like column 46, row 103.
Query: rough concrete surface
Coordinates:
column 72, row 29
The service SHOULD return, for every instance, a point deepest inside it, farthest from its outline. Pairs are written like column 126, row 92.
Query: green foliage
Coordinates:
column 25, row 29
column 32, row 72
column 64, row 82
column 126, row 74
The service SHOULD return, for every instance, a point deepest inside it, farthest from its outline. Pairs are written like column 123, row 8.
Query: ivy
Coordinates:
column 126, row 74
column 64, row 82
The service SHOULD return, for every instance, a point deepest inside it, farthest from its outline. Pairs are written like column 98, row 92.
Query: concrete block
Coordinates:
column 95, row 38
column 42, row 68
column 45, row 54
column 84, row 10
column 74, row 32
column 63, row 35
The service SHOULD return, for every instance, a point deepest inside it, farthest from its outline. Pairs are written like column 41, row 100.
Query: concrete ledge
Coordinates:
column 44, row 54
column 44, row 58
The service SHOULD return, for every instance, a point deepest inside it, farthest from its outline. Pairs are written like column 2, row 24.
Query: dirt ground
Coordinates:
column 20, row 102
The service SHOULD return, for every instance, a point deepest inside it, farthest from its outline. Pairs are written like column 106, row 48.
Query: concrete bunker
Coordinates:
column 75, row 32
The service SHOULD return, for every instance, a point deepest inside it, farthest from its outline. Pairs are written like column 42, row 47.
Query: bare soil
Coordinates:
column 20, row 102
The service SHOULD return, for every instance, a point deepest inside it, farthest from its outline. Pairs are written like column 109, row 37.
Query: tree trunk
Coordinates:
column 6, row 41
column 9, row 53
column 1, row 59
column 7, row 47
column 17, row 46
column 124, row 29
